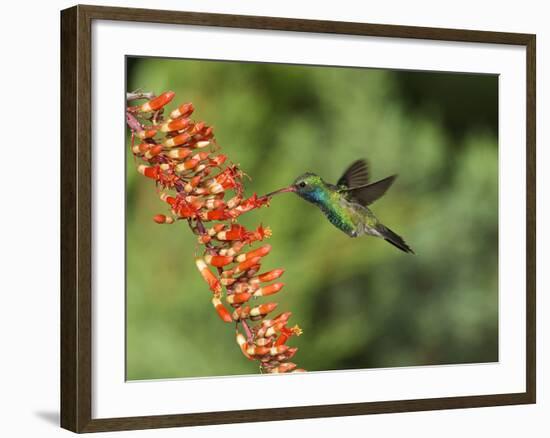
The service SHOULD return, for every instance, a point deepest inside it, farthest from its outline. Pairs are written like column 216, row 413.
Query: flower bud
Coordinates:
column 179, row 153
column 177, row 140
column 267, row 276
column 187, row 164
column 175, row 125
column 146, row 133
column 167, row 198
column 141, row 148
column 184, row 110
column 244, row 266
column 243, row 344
column 217, row 260
column 236, row 232
column 238, row 298
column 263, row 309
column 213, row 215
column 259, row 252
column 208, row 276
column 222, row 312
column 202, row 144
column 158, row 102
column 269, row 290
column 162, row 219
column 149, row 171
column 153, row 152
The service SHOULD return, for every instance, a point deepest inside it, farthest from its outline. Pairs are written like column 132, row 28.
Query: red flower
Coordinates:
column 172, row 154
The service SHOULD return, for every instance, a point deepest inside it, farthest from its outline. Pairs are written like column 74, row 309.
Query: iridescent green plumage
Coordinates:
column 346, row 203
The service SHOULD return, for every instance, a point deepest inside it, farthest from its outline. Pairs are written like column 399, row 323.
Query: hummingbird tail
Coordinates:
column 396, row 240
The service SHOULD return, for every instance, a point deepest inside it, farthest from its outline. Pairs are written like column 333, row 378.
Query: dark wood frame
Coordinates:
column 76, row 243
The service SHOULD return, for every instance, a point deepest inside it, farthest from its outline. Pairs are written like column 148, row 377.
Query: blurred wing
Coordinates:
column 357, row 174
column 369, row 193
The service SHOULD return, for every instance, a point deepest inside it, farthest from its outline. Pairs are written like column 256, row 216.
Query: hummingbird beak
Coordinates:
column 284, row 190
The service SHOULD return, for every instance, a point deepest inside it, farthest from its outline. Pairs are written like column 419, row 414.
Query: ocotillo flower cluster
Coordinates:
column 180, row 155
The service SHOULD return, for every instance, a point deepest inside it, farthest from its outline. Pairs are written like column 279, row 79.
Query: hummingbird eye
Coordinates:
column 302, row 184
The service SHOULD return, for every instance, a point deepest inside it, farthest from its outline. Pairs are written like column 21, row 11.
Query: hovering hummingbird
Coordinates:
column 346, row 203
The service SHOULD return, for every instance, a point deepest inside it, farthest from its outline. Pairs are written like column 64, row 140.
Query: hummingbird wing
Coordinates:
column 357, row 174
column 367, row 194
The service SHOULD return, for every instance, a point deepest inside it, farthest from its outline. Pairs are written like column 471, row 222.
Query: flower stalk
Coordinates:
column 192, row 179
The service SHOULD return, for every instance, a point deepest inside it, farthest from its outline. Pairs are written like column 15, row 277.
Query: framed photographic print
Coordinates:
column 268, row 218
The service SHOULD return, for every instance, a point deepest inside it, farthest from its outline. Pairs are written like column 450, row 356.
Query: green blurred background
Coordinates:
column 361, row 302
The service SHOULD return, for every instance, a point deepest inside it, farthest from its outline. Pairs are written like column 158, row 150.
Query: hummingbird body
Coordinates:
column 350, row 217
column 346, row 204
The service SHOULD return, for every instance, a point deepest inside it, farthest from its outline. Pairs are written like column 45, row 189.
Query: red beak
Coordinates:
column 284, row 190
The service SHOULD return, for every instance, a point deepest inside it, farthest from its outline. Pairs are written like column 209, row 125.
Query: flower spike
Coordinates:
column 176, row 153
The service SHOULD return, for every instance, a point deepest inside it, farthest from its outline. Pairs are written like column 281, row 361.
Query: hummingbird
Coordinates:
column 346, row 203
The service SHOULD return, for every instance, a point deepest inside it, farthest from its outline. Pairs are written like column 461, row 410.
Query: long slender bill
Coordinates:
column 284, row 190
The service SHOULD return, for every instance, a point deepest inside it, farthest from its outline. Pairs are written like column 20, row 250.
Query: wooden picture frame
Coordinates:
column 76, row 217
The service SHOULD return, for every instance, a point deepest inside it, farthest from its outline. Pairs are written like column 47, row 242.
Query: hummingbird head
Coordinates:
column 308, row 186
